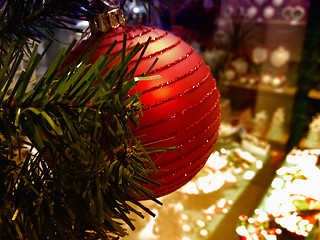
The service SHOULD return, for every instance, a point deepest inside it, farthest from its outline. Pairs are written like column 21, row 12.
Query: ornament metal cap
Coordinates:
column 109, row 20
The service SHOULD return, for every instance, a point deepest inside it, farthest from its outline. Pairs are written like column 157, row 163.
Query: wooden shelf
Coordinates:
column 314, row 94
column 283, row 22
column 270, row 21
column 285, row 90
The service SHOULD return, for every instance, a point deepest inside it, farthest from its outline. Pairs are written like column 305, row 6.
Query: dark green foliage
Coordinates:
column 26, row 21
column 70, row 167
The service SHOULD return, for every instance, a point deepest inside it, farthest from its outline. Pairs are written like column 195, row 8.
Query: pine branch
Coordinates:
column 67, row 156
column 69, row 164
column 28, row 21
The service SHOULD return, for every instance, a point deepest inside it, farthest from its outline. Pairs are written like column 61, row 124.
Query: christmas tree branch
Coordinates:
column 25, row 22
column 68, row 158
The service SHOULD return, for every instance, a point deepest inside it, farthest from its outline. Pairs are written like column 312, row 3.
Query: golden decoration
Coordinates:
column 104, row 21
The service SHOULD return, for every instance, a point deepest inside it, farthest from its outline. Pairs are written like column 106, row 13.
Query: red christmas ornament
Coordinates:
column 181, row 107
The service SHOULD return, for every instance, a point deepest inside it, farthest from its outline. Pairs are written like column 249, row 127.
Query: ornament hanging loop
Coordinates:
column 108, row 20
column 111, row 3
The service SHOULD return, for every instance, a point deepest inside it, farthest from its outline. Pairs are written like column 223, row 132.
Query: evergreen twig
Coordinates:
column 67, row 160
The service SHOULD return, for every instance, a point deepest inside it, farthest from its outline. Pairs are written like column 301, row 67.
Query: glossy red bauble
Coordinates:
column 182, row 107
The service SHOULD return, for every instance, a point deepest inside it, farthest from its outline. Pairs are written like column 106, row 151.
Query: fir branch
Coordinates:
column 28, row 21
column 81, row 165
column 69, row 164
column 25, row 18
